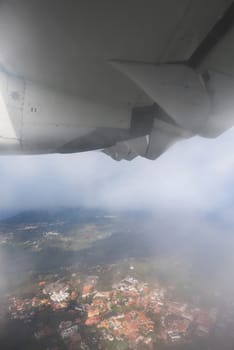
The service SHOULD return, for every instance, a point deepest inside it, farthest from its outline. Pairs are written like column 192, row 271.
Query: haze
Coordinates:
column 195, row 175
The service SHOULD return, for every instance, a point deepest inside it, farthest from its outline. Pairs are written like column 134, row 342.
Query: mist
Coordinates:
column 193, row 175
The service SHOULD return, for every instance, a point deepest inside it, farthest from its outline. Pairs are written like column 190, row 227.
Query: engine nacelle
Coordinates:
column 37, row 119
column 201, row 104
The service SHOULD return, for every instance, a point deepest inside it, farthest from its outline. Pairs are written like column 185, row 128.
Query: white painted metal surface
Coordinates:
column 178, row 89
column 37, row 119
column 59, row 93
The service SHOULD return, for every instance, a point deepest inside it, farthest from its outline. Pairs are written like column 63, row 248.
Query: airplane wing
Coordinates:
column 80, row 75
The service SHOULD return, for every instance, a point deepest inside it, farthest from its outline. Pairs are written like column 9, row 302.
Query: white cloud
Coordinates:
column 195, row 175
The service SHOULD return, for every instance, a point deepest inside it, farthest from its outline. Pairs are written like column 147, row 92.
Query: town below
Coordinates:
column 86, row 279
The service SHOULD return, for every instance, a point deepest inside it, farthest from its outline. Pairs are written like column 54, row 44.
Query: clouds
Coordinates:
column 196, row 175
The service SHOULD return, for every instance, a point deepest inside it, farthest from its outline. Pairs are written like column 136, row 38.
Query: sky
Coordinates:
column 195, row 175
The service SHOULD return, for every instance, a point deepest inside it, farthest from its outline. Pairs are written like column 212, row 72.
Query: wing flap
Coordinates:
column 152, row 146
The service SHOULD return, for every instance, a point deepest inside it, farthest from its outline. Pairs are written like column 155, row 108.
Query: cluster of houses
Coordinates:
column 55, row 295
column 131, row 311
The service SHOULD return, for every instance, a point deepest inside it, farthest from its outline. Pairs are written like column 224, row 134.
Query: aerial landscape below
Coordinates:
column 89, row 279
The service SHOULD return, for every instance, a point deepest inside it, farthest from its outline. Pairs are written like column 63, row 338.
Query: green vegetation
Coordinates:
column 116, row 345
